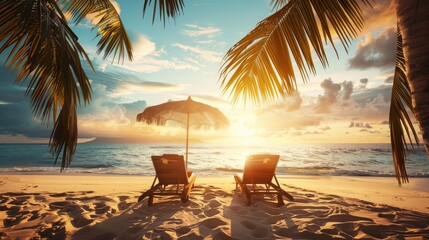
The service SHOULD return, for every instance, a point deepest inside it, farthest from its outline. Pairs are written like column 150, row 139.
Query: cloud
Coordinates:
column 129, row 88
column 376, row 53
column 369, row 131
column 196, row 31
column 108, row 114
column 359, row 125
column 329, row 97
column 347, row 90
column 104, row 115
column 363, row 83
column 381, row 15
column 294, row 102
column 211, row 41
column 389, row 79
column 325, row 128
column 149, row 59
column 206, row 98
column 202, row 54
column 16, row 115
column 289, row 104
column 143, row 47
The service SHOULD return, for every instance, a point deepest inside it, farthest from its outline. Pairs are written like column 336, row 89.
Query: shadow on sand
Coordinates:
column 210, row 213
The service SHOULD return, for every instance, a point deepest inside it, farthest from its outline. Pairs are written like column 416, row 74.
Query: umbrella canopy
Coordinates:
column 186, row 112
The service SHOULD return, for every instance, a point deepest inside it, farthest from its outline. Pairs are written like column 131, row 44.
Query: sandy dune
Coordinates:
column 214, row 210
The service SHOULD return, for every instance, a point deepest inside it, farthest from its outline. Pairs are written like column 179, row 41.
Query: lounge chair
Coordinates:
column 170, row 170
column 260, row 170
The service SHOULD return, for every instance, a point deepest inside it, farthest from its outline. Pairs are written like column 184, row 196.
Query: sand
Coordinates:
column 84, row 206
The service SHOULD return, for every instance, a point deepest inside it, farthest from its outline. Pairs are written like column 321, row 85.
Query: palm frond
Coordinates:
column 260, row 66
column 46, row 53
column 399, row 120
column 277, row 4
column 166, row 8
column 114, row 38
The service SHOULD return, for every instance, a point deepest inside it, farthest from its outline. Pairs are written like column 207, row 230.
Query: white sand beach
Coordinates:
column 82, row 206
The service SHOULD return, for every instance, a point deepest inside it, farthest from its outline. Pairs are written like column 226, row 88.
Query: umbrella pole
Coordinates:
column 187, row 139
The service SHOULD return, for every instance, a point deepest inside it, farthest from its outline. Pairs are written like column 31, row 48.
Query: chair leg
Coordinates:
column 187, row 190
column 145, row 194
column 149, row 193
column 283, row 192
column 244, row 189
column 280, row 201
column 150, row 200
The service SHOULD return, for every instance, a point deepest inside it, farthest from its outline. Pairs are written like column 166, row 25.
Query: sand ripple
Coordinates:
column 210, row 213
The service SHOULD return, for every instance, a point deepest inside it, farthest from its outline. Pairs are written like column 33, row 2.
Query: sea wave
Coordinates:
column 216, row 160
column 93, row 166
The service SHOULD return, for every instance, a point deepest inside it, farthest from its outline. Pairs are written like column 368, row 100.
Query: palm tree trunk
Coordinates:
column 413, row 22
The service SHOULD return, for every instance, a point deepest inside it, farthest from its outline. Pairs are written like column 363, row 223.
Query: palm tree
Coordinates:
column 259, row 67
column 251, row 66
column 413, row 22
column 46, row 53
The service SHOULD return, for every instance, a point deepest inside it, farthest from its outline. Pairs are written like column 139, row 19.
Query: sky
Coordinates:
column 348, row 102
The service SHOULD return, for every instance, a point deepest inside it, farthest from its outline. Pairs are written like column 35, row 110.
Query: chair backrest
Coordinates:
column 170, row 169
column 260, row 169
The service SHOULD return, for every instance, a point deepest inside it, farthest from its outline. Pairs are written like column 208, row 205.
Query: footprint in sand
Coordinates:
column 183, row 230
column 56, row 230
column 81, row 220
column 12, row 211
column 87, row 208
column 58, row 205
column 196, row 211
column 63, row 194
column 209, row 196
column 349, row 228
column 101, row 208
column 123, row 198
column 20, row 200
column 215, row 204
column 330, row 231
column 123, row 205
column 211, row 212
column 212, row 223
column 389, row 216
column 34, row 215
column 3, row 199
column 11, row 221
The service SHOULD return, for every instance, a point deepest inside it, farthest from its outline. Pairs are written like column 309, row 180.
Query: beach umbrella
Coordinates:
column 186, row 112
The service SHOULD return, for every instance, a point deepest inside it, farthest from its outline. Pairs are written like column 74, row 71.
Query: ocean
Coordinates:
column 216, row 160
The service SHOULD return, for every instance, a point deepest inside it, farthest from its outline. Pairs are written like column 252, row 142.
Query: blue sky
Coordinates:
column 347, row 102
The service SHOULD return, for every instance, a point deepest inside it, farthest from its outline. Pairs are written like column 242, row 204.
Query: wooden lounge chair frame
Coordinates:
column 170, row 170
column 260, row 170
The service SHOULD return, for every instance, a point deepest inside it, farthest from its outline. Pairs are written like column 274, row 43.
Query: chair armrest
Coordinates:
column 190, row 176
column 238, row 177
